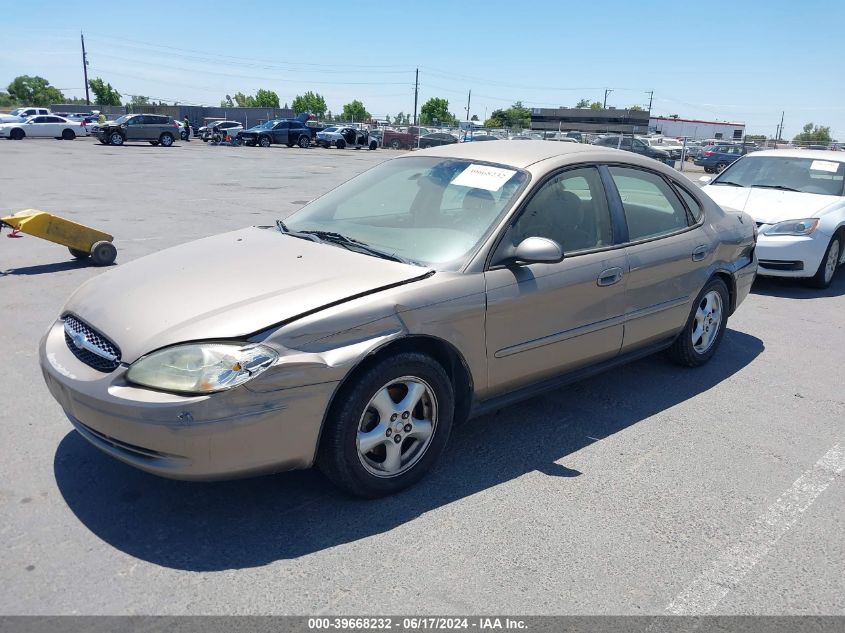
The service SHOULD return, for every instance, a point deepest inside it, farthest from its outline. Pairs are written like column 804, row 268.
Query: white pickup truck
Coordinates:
column 22, row 114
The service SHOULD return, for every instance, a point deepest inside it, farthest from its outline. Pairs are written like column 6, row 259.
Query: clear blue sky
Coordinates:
column 744, row 60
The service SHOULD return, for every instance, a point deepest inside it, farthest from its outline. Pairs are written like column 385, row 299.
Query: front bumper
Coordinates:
column 231, row 434
column 790, row 255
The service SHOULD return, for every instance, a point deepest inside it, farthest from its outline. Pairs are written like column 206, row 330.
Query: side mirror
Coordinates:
column 705, row 179
column 533, row 250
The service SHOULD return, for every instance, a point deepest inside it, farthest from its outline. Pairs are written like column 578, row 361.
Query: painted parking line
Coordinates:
column 733, row 563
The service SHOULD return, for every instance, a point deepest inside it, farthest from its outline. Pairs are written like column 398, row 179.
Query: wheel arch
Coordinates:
column 446, row 354
column 729, row 280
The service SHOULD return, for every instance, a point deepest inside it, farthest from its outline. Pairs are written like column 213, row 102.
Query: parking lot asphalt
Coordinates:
column 648, row 489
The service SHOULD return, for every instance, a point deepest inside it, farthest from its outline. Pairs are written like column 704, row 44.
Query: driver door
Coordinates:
column 544, row 319
column 135, row 128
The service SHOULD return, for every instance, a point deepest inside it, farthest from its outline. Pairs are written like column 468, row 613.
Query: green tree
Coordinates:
column 813, row 134
column 266, row 99
column 355, row 111
column 139, row 100
column 596, row 105
column 104, row 94
column 474, row 117
column 244, row 101
column 517, row 116
column 310, row 102
column 636, row 108
column 37, row 91
column 399, row 119
column 7, row 100
column 583, row 103
column 436, row 110
column 227, row 102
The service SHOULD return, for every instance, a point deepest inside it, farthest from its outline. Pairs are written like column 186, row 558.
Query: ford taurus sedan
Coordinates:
column 797, row 198
column 431, row 288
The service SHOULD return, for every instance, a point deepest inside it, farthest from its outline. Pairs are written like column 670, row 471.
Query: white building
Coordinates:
column 696, row 129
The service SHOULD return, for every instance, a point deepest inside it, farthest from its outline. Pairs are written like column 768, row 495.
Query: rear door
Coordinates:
column 668, row 253
column 280, row 132
column 547, row 318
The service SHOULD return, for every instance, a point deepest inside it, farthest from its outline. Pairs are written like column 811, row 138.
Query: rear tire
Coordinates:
column 68, row 135
column 827, row 268
column 373, row 145
column 720, row 167
column 705, row 326
column 304, row 142
column 340, row 144
column 166, row 139
column 103, row 254
column 79, row 254
column 396, row 144
column 418, row 435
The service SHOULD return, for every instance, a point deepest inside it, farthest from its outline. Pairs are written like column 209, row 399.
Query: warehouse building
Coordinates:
column 589, row 120
column 696, row 129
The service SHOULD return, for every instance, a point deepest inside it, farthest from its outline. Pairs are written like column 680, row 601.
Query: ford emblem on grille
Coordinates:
column 89, row 346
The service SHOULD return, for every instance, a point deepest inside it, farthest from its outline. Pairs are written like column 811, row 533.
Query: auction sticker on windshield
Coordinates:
column 824, row 165
column 483, row 177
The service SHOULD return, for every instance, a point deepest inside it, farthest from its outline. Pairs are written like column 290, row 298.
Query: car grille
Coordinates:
column 89, row 346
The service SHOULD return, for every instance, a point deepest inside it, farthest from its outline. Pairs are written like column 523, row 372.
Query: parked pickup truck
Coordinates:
column 403, row 140
column 19, row 115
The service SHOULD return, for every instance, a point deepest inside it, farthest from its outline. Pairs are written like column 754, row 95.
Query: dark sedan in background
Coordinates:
column 436, row 139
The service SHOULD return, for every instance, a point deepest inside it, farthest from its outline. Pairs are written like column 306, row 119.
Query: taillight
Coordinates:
column 708, row 153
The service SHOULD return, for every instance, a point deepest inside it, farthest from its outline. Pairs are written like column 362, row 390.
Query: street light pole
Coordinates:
column 606, row 92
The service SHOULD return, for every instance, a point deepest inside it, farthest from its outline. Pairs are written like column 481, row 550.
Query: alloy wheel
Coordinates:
column 397, row 426
column 708, row 321
column 832, row 261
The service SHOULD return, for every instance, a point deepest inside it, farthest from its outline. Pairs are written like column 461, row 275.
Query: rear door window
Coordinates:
column 652, row 208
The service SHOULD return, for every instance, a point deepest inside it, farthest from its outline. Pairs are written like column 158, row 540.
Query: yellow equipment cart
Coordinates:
column 82, row 241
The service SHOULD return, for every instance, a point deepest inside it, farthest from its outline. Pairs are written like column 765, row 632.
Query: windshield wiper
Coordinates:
column 727, row 182
column 351, row 243
column 780, row 187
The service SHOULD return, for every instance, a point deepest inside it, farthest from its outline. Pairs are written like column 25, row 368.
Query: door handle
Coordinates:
column 610, row 276
column 700, row 253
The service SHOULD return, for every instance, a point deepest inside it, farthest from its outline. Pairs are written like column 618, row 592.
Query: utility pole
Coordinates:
column 85, row 68
column 416, row 94
column 606, row 91
column 469, row 97
column 650, row 99
column 780, row 127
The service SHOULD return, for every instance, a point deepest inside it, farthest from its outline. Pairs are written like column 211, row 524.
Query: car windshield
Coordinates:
column 806, row 175
column 122, row 119
column 429, row 210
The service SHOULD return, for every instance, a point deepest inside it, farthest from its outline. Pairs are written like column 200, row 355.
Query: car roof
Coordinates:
column 519, row 155
column 821, row 154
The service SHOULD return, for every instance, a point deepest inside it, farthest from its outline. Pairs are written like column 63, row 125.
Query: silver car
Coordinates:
column 356, row 332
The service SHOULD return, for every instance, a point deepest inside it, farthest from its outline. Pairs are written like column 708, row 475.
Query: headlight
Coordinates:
column 201, row 367
column 794, row 227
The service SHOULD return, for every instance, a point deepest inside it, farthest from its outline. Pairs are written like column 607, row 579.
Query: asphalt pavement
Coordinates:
column 649, row 489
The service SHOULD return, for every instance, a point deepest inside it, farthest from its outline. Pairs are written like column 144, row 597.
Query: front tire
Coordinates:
column 264, row 141
column 705, row 326
column 396, row 144
column 720, row 167
column 16, row 134
column 373, row 145
column 827, row 267
column 116, row 138
column 340, row 144
column 388, row 426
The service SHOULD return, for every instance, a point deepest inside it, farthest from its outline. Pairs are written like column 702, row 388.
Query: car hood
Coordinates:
column 771, row 205
column 227, row 286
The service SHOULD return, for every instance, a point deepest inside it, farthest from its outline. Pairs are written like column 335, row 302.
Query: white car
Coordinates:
column 797, row 198
column 44, row 126
column 19, row 115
